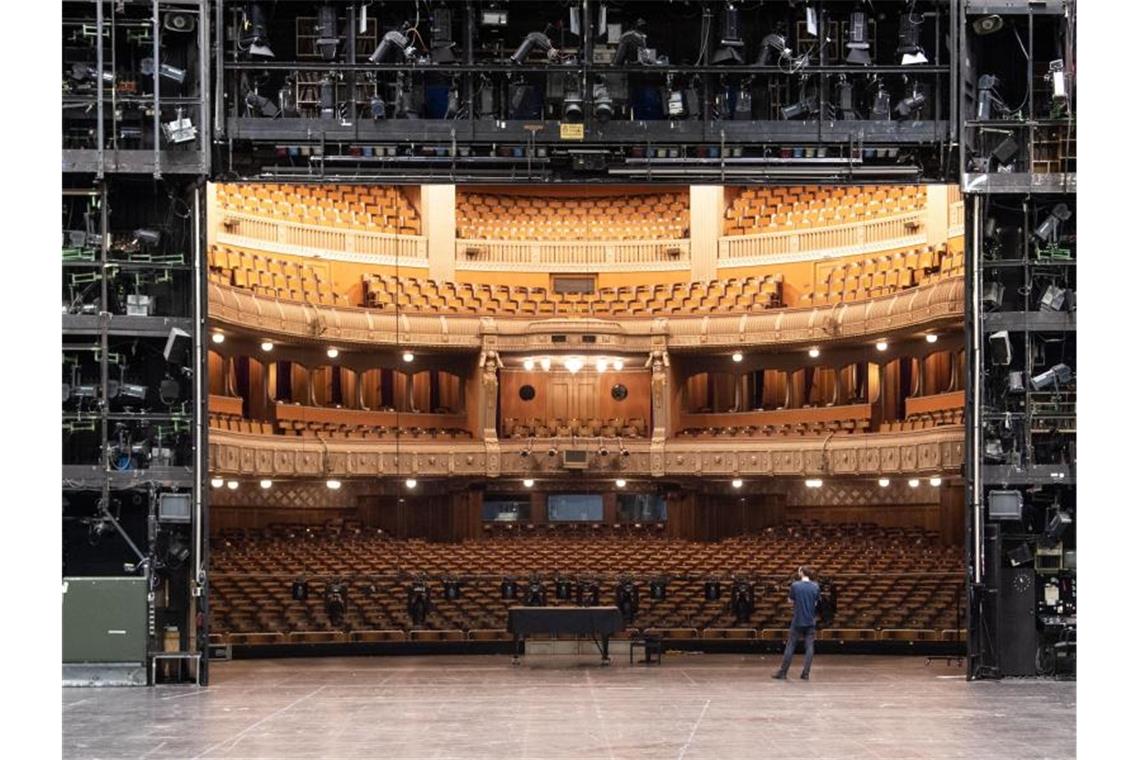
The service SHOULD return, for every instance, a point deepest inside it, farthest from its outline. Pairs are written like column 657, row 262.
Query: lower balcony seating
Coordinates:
column 272, row 277
column 935, row 410
column 334, row 422
column 745, row 294
column 893, row 583
column 613, row 427
column 771, row 209
column 882, row 275
column 825, row 420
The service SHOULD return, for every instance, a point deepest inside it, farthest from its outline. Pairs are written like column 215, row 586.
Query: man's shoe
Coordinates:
column 803, row 676
column 780, row 676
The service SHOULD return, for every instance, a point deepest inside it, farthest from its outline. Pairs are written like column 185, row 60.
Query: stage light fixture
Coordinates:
column 774, row 45
column 632, row 45
column 266, row 484
column 731, row 48
column 332, row 485
column 545, row 363
column 884, row 482
column 411, row 483
column 620, row 483
column 737, row 483
column 1056, row 528
column 913, row 482
column 737, row 357
column 573, row 110
column 165, row 70
column 259, row 105
column 881, row 345
column 807, row 105
column 858, row 46
column 1047, row 231
column 931, row 337
column 327, row 38
column 266, row 345
column 528, row 483
column 603, row 103
column 936, row 481
column 881, row 106
column 442, row 42
column 377, row 108
column 813, row 483
column 1055, row 377
column 528, row 364
column 255, row 31
column 232, row 485
column 619, row 365
column 394, row 46
column 217, row 482
column 409, row 357
column 1020, row 555
column 813, row 352
column 218, row 337
column 603, row 451
column 532, row 41
column 913, row 104
column 179, row 130
column 82, row 71
column 910, row 38
column 984, row 25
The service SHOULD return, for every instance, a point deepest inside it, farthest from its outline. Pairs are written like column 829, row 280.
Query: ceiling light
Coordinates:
column 528, row 364
column 333, row 485
column 936, row 481
column 217, row 482
column 572, row 364
column 410, row 483
column 738, row 357
column 881, row 345
column 620, row 483
column 545, row 362
column 884, row 482
column 619, row 365
column 931, row 338
column 737, row 483
column 913, row 482
column 332, row 353
column 266, row 345
column 232, row 485
column 528, row 483
column 813, row 483
column 218, row 338
column 409, row 356
column 601, row 365
column 267, row 484
column 813, row 352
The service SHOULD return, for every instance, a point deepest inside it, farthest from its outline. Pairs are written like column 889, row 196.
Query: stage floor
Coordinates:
column 693, row 706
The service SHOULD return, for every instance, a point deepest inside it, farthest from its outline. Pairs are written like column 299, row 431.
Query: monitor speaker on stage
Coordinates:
column 1001, row 352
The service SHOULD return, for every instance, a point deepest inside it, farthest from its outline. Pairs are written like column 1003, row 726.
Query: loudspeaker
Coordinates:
column 177, row 349
column 992, row 294
column 176, row 21
column 1017, row 622
column 1000, row 350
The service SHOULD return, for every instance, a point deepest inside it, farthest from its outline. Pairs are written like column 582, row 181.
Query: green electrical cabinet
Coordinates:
column 104, row 620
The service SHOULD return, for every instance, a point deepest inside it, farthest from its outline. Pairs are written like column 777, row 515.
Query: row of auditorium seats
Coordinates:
column 926, row 420
column 273, row 277
column 326, row 430
column 883, row 275
column 829, row 427
column 733, row 295
column 893, row 583
column 370, row 208
column 764, row 209
column 533, row 427
column 489, row 216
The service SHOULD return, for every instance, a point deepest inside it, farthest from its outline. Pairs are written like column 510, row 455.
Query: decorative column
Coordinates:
column 489, row 365
column 658, row 364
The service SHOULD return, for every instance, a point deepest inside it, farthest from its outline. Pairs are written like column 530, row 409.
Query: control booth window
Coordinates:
column 505, row 509
column 574, row 507
column 641, row 507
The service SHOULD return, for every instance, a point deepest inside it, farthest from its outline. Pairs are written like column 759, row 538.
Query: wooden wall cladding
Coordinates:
column 566, row 396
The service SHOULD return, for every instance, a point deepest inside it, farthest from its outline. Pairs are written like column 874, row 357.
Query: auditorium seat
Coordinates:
column 772, row 209
column 500, row 216
column 371, row 208
column 881, row 275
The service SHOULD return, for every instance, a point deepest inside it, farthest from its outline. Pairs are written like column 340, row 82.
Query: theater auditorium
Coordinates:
column 511, row 379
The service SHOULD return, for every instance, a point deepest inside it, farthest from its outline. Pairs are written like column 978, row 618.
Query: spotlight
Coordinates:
column 984, row 25
column 910, row 38
column 632, row 45
column 912, row 104
column 619, row 365
column 327, row 96
column 1047, row 231
column 806, row 106
column 266, row 345
column 775, row 45
column 572, row 364
column 913, row 482
column 931, row 338
column 327, row 38
column 180, row 130
column 173, row 73
column 409, row 357
column 377, row 108
column 813, row 483
column 82, row 71
column 1055, row 298
column 858, row 47
column 394, row 46
column 528, row 364
column 529, row 43
column 1056, row 528
column 218, row 337
column 217, row 482
column 737, row 357
column 884, row 482
column 603, row 451
column 411, row 483
column 232, row 485
column 813, row 352
column 259, row 105
column 600, row 365
column 545, row 362
column 936, row 481
column 620, row 483
column 603, row 103
column 731, row 48
column 254, row 31
column 266, row 484
column 442, row 43
column 737, row 483
column 881, row 107
column 528, row 483
column 332, row 485
column 1055, row 377
column 846, row 98
column 1020, row 555
column 572, row 108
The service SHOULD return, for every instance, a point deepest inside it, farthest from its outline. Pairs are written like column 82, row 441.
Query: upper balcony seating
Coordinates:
column 779, row 209
column 371, row 208
column 273, row 277
column 883, row 275
column 613, row 427
column 335, row 422
column 488, row 216
column 807, row 421
column 735, row 295
column 895, row 583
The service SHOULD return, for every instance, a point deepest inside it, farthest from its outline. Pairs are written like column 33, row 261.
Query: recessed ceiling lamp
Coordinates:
column 409, row 356
column 884, row 482
column 737, row 483
column 232, row 485
column 411, row 483
column 620, row 483
column 218, row 337
column 333, row 353
column 881, row 345
column 813, row 483
column 738, row 357
column 332, row 485
column 266, row 345
column 813, row 352
column 600, row 365
column 545, row 363
column 217, row 482
column 913, row 482
column 936, row 481
column 267, row 484
column 528, row 483
column 931, row 338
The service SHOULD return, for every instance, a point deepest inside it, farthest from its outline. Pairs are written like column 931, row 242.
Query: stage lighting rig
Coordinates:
column 1055, row 377
column 774, row 47
column 603, row 103
column 327, row 96
column 259, row 105
column 845, row 95
column 165, row 70
column 911, row 106
column 881, row 103
column 395, row 46
column 627, row 598
column 254, row 38
column 180, row 130
column 1059, row 84
column 535, row 593
column 742, row 601
column 858, row 44
column 539, row 40
column 910, row 38
column 990, row 100
column 632, row 46
column 83, row 72
column 1048, row 231
column 418, row 601
column 805, row 107
column 328, row 39
column 572, row 107
column 731, row 49
column 1056, row 528
column 442, row 39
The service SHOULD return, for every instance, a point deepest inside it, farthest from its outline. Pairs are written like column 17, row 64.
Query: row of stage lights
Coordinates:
column 412, row 483
column 332, row 352
column 814, row 352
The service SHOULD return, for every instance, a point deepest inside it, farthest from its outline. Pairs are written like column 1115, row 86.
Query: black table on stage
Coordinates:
column 600, row 622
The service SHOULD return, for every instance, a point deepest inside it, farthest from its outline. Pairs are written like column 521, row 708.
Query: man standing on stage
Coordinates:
column 804, row 596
